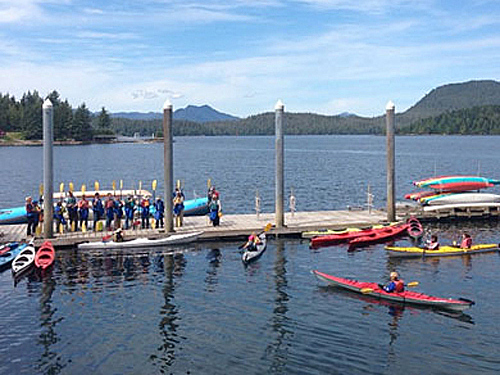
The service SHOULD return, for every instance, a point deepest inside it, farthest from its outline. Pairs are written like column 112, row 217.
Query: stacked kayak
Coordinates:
column 45, row 255
column 252, row 255
column 442, row 251
column 409, row 297
column 457, row 183
column 374, row 233
column 7, row 257
column 175, row 239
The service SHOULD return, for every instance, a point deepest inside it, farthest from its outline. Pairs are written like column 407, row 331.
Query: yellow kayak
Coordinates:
column 327, row 232
column 443, row 250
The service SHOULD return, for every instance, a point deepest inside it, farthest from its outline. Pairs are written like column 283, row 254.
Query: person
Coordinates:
column 98, row 209
column 59, row 216
column 118, row 235
column 179, row 208
column 252, row 242
column 396, row 285
column 215, row 209
column 159, row 212
column 83, row 212
column 129, row 212
column 433, row 244
column 38, row 214
column 145, row 213
column 72, row 208
column 110, row 211
column 118, row 213
column 31, row 215
column 466, row 241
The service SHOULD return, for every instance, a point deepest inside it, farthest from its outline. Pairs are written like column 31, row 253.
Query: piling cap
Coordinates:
column 390, row 106
column 47, row 103
column 167, row 104
column 279, row 105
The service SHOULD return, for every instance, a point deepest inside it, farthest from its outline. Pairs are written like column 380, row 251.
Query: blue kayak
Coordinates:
column 7, row 258
column 16, row 215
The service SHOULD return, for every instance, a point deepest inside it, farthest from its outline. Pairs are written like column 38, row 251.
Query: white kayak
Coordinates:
column 24, row 260
column 251, row 255
column 461, row 198
column 175, row 239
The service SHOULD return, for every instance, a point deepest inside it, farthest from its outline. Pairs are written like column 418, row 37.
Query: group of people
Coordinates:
column 433, row 243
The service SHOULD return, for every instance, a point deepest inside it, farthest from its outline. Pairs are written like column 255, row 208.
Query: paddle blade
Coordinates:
column 268, row 227
column 61, row 187
column 40, row 190
column 154, row 185
column 71, row 186
column 113, row 184
column 121, row 184
column 96, row 185
column 84, row 188
column 413, row 283
column 366, row 290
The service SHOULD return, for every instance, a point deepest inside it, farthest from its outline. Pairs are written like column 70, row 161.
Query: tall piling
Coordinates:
column 48, row 168
column 168, row 163
column 279, row 109
column 389, row 120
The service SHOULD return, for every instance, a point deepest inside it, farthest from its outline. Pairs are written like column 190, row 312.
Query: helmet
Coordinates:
column 394, row 275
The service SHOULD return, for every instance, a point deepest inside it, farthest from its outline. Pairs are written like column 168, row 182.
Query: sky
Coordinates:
column 242, row 56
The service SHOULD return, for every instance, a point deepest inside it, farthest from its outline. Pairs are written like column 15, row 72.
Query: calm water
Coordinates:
column 198, row 310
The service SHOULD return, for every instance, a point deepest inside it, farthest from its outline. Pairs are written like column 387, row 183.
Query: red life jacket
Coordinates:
column 399, row 286
column 466, row 243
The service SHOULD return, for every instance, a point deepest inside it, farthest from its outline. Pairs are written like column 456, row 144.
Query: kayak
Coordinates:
column 414, row 298
column 324, row 232
column 24, row 260
column 8, row 247
column 45, row 255
column 175, row 239
column 415, row 228
column 252, row 255
column 16, row 215
column 7, row 258
column 332, row 239
column 379, row 235
column 457, row 183
column 442, row 251
column 458, row 198
column 423, row 194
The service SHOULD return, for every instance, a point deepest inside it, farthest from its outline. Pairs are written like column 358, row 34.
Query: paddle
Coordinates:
column 96, row 186
column 369, row 290
column 266, row 229
column 121, row 189
column 61, row 190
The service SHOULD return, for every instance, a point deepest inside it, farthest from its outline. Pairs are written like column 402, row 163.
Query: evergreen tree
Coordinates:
column 31, row 122
column 66, row 120
column 82, row 124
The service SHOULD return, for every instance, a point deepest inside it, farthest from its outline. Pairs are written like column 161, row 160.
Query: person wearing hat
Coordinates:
column 30, row 214
column 159, row 212
column 396, row 285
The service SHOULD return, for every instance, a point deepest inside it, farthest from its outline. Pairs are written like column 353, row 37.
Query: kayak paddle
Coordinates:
column 266, row 229
column 369, row 290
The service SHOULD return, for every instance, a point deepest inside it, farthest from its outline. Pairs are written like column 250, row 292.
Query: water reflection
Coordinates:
column 214, row 257
column 174, row 266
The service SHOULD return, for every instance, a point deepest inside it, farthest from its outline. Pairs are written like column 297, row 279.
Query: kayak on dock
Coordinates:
column 254, row 254
column 45, row 255
column 442, row 251
column 373, row 290
column 8, row 247
column 7, row 257
column 457, row 183
column 175, row 239
column 24, row 260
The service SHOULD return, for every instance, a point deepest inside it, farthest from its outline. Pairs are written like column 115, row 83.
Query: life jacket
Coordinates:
column 399, row 286
column 466, row 243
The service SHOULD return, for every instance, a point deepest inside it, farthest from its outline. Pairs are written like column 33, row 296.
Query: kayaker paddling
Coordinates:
column 433, row 243
column 466, row 241
column 253, row 241
column 396, row 285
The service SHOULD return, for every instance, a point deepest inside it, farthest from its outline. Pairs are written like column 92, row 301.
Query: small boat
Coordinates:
column 24, row 260
column 8, row 247
column 45, row 255
column 415, row 228
column 423, row 194
column 7, row 257
column 325, row 232
column 457, row 183
column 458, row 198
column 16, row 215
column 442, row 251
column 333, row 239
column 410, row 297
column 252, row 255
column 461, row 206
column 174, row 239
column 379, row 235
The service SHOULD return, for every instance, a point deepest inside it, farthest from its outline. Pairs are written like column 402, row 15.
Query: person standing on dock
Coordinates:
column 118, row 213
column 98, row 209
column 30, row 214
column 59, row 217
column 215, row 209
column 179, row 208
column 72, row 208
column 159, row 212
column 110, row 211
column 83, row 212
column 145, row 213
column 129, row 212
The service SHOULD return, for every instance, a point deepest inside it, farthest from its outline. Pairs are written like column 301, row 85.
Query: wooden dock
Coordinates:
column 232, row 227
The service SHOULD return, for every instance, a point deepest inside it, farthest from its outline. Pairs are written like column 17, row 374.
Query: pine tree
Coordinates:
column 82, row 124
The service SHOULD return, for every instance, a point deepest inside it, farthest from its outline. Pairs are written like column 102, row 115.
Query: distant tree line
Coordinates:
column 25, row 116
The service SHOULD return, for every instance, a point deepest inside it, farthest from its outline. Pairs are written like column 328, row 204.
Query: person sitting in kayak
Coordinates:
column 466, row 241
column 396, row 285
column 433, row 244
column 253, row 241
column 118, row 235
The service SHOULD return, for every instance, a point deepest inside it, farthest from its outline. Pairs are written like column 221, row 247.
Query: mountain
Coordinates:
column 193, row 113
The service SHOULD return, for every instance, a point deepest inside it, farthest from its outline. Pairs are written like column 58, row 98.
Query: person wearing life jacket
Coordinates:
column 252, row 242
column 30, row 214
column 145, row 213
column 72, row 208
column 59, row 211
column 129, row 212
column 83, row 211
column 160, row 213
column 110, row 211
column 396, row 285
column 433, row 244
column 98, row 209
column 466, row 241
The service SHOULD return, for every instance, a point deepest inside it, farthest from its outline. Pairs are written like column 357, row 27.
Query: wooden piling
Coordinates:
column 48, row 168
column 280, row 186
column 391, row 203
column 168, row 162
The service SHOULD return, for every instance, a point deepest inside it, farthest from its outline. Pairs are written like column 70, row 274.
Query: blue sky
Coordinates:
column 241, row 56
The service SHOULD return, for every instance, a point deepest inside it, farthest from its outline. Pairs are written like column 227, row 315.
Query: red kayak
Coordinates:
column 374, row 290
column 415, row 228
column 333, row 239
column 378, row 236
column 45, row 255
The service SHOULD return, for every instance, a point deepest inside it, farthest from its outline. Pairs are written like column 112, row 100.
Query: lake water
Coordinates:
column 198, row 310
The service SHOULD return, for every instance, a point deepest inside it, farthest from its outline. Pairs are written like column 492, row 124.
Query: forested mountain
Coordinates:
column 465, row 108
